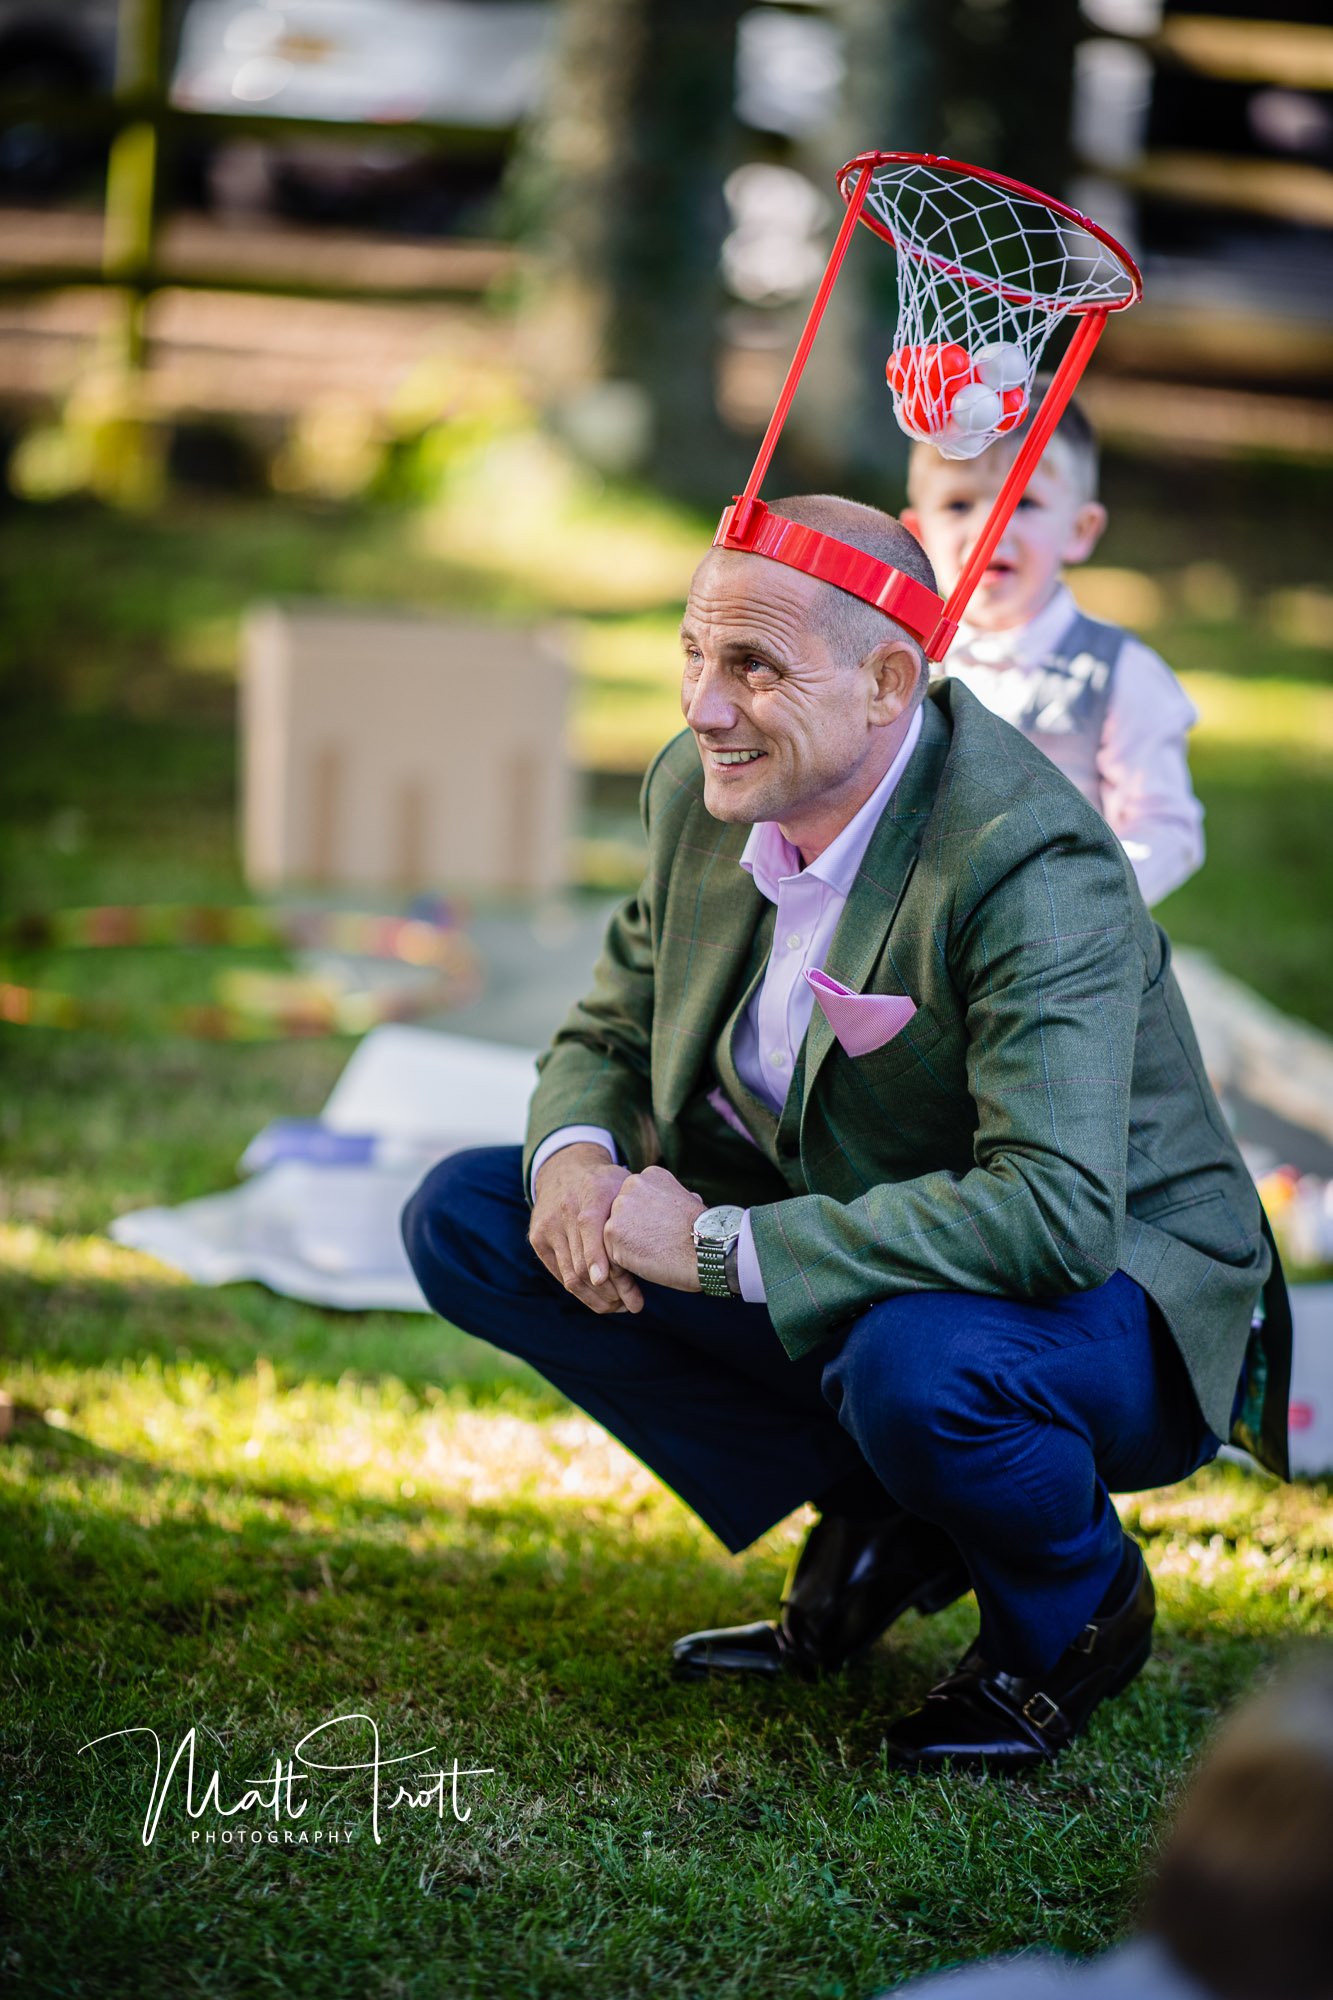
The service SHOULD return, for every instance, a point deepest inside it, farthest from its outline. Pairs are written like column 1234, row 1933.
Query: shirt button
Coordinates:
column 794, row 941
column 778, row 1060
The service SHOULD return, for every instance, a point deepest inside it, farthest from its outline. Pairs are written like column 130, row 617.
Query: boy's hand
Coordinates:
column 572, row 1199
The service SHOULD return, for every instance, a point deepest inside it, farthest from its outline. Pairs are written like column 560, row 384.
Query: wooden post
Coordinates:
column 131, row 182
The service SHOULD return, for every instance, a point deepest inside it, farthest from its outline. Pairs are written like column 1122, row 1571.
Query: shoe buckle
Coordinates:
column 1086, row 1641
column 1041, row 1711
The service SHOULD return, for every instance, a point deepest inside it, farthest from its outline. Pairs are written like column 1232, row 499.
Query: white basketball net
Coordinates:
column 985, row 274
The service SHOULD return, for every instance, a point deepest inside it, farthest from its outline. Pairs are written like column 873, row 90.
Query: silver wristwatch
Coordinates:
column 717, row 1235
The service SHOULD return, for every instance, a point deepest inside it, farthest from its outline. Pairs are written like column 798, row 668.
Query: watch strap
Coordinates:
column 713, row 1259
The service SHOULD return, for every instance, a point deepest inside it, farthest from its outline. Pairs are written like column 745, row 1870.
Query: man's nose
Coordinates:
column 706, row 703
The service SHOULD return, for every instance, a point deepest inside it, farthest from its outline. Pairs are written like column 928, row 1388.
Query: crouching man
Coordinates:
column 878, row 1170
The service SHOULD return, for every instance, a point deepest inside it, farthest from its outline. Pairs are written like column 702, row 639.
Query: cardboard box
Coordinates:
column 397, row 752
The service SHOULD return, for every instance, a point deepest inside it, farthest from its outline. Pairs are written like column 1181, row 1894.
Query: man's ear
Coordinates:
column 896, row 670
column 1087, row 530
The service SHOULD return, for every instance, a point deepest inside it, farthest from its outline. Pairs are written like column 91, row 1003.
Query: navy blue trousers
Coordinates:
column 1003, row 1423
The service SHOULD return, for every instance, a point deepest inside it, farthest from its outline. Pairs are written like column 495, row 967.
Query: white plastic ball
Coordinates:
column 976, row 408
column 954, row 444
column 1001, row 365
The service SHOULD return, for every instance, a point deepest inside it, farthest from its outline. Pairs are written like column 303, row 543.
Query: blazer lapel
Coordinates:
column 863, row 928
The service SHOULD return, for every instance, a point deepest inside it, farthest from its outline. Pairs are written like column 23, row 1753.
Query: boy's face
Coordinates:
column 1052, row 525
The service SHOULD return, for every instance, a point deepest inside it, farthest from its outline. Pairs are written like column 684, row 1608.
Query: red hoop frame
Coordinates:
column 747, row 525
column 882, row 230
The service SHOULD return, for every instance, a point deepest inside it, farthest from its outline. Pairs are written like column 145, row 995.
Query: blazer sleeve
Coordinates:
column 598, row 1069
column 1047, row 964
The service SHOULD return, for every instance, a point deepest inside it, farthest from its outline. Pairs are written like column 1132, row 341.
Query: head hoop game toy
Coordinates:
column 987, row 269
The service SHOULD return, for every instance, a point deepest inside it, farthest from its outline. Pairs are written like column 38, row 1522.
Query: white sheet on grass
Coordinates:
column 330, row 1234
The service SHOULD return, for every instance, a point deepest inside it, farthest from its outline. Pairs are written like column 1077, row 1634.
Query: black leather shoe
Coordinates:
column 849, row 1583
column 980, row 1716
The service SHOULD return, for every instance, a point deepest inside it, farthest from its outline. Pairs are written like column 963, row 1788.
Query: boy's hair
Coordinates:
column 1074, row 433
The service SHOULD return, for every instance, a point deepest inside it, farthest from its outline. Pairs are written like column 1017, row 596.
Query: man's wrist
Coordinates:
column 716, row 1234
column 566, row 1136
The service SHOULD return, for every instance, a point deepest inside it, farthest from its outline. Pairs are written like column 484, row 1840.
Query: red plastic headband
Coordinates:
column 749, row 527
column 747, row 524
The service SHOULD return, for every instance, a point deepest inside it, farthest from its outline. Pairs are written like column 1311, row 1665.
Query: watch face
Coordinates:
column 719, row 1225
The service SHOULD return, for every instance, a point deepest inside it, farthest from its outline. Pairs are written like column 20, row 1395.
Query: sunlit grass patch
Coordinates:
column 368, row 1440
column 1294, row 718
column 36, row 1253
column 1231, row 1551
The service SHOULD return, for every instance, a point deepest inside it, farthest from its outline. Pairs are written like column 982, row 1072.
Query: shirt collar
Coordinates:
column 771, row 858
column 1021, row 645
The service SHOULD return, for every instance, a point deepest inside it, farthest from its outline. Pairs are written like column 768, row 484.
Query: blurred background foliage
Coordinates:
column 275, row 324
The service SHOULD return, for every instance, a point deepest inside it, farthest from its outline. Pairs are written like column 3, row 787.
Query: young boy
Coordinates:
column 1101, row 704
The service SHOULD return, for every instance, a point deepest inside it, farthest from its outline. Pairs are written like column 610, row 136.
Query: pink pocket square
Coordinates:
column 861, row 1021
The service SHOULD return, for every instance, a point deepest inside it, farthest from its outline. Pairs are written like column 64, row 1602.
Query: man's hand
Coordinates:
column 650, row 1231
column 572, row 1199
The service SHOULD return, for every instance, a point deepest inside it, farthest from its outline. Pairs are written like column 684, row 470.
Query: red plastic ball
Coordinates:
column 925, row 379
column 1015, row 409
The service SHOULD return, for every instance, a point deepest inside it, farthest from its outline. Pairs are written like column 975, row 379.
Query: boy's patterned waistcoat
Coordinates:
column 1065, row 710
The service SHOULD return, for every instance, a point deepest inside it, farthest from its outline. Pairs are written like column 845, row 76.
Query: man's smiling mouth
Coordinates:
column 735, row 756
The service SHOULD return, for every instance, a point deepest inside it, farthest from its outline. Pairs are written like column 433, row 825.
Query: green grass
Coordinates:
column 247, row 1516
column 1262, row 761
column 233, row 1512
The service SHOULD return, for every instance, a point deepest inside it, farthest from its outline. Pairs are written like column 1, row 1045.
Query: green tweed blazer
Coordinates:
column 1044, row 1118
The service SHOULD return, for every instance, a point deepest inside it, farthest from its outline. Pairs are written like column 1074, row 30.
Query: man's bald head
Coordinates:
column 851, row 627
column 799, row 694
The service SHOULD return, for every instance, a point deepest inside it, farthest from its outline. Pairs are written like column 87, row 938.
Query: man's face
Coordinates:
column 1052, row 525
column 785, row 730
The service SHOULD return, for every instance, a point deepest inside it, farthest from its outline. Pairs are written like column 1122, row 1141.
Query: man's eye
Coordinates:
column 760, row 670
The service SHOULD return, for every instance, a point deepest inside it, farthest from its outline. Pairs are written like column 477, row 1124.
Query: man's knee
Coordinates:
column 470, row 1203
column 904, row 1355
column 912, row 1384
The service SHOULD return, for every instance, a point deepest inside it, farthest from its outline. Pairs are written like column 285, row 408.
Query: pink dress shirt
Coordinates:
column 770, row 1032
column 1146, row 794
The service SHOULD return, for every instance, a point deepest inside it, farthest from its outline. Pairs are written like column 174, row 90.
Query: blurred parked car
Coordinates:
column 476, row 65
